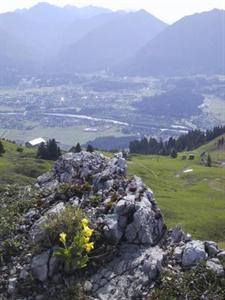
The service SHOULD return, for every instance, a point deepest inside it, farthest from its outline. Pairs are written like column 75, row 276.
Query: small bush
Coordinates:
column 69, row 221
column 199, row 283
column 69, row 190
column 72, row 292
column 14, row 202
column 19, row 149
column 8, row 249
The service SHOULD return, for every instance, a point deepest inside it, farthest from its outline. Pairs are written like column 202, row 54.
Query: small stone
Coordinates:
column 39, row 266
column 177, row 234
column 178, row 251
column 39, row 297
column 87, row 286
column 24, row 274
column 187, row 238
column 12, row 285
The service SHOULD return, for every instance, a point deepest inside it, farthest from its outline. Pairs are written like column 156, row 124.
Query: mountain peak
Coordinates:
column 191, row 45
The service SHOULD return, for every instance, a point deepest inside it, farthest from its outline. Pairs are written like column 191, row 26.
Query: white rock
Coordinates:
column 194, row 252
column 215, row 266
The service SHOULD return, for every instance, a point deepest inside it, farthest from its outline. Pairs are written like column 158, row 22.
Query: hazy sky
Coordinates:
column 167, row 10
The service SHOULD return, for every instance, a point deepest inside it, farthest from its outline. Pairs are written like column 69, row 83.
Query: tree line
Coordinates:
column 186, row 142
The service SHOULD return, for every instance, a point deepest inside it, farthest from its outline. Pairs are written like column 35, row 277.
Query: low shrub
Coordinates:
column 68, row 221
column 198, row 283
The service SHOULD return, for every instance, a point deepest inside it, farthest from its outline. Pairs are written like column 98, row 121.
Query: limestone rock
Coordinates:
column 12, row 285
column 194, row 252
column 177, row 234
column 112, row 230
column 39, row 266
column 145, row 227
column 127, row 275
column 221, row 255
column 178, row 251
column 46, row 177
column 211, row 248
column 37, row 233
column 215, row 266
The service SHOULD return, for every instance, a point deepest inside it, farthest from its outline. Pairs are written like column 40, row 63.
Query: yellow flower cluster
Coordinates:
column 87, row 233
column 62, row 238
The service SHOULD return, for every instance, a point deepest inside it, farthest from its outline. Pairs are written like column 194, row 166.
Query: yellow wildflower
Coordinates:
column 62, row 237
column 86, row 239
column 84, row 222
column 89, row 247
column 87, row 231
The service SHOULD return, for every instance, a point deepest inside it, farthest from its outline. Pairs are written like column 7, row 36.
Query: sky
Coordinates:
column 167, row 10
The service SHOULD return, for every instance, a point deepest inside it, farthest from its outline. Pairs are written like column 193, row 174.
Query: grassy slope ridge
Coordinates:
column 196, row 200
column 20, row 168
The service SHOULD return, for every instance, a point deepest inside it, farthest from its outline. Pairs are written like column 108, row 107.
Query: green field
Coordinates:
column 196, row 200
column 20, row 168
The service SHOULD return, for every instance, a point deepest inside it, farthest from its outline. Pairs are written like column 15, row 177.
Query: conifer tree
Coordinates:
column 78, row 148
column 49, row 151
column 209, row 161
column 90, row 148
column 2, row 150
column 42, row 151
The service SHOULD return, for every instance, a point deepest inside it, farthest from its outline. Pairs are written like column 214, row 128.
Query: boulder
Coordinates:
column 221, row 255
column 46, row 177
column 211, row 248
column 194, row 252
column 215, row 266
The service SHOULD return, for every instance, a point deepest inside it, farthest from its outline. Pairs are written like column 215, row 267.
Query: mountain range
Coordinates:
column 115, row 41
column 194, row 44
column 50, row 38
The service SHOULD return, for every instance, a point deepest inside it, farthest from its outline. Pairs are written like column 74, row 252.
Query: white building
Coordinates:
column 35, row 142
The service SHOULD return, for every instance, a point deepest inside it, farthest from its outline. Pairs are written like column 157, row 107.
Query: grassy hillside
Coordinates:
column 217, row 154
column 20, row 167
column 195, row 199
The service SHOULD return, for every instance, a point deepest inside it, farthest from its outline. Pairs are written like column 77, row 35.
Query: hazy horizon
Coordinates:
column 168, row 11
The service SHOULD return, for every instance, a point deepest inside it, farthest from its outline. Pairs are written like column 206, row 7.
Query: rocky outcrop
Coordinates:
column 124, row 210
column 129, row 275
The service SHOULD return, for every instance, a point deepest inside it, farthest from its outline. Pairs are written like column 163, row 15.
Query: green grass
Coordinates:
column 196, row 200
column 212, row 148
column 20, row 168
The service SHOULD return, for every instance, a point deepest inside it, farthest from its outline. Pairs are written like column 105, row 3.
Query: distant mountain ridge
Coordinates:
column 112, row 42
column 194, row 44
column 47, row 38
